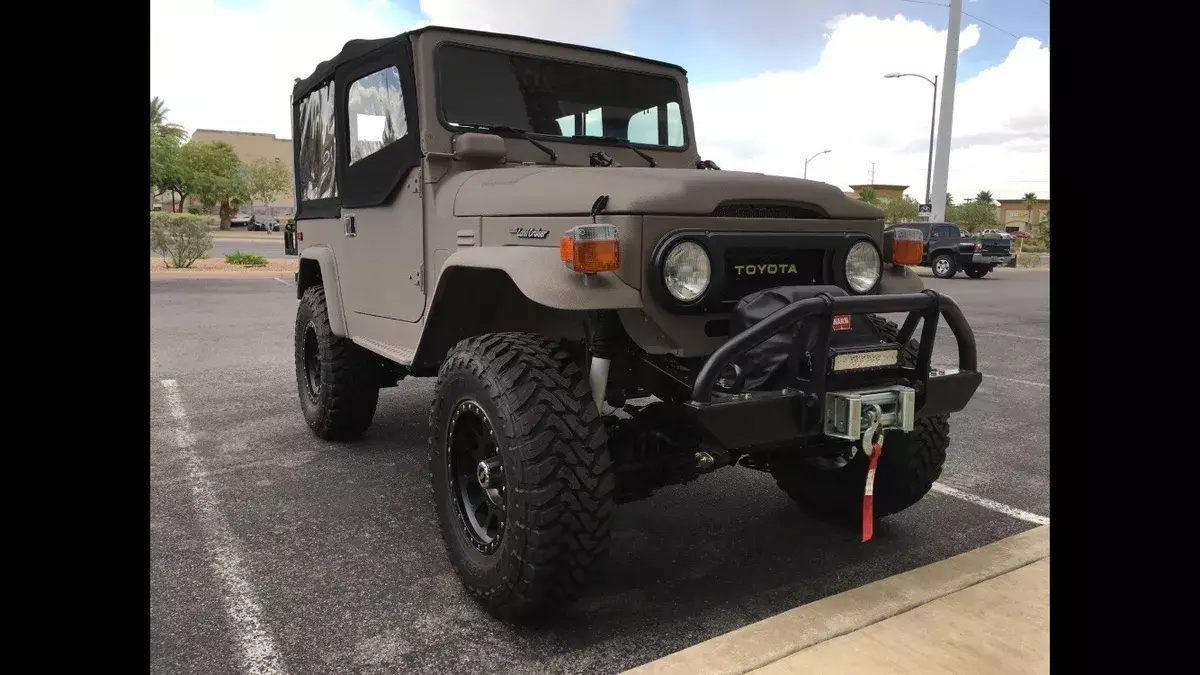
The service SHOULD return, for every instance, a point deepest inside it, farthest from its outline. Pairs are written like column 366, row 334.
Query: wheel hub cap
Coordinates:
column 476, row 475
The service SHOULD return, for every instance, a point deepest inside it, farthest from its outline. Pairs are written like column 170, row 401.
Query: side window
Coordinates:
column 953, row 231
column 940, row 232
column 318, row 146
column 657, row 126
column 376, row 113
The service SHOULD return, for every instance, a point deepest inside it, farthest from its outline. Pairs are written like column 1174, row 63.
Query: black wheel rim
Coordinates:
column 312, row 361
column 476, row 476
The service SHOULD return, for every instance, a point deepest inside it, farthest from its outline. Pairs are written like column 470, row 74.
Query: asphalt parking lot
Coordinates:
column 272, row 551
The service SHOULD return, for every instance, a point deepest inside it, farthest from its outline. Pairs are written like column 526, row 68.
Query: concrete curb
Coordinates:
column 770, row 640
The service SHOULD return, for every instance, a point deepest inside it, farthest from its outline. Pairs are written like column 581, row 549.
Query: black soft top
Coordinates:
column 357, row 48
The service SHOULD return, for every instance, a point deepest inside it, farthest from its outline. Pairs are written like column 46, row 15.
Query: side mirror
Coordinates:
column 479, row 147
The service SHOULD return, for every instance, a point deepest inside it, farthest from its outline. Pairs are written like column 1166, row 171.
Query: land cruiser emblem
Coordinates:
column 764, row 268
column 529, row 232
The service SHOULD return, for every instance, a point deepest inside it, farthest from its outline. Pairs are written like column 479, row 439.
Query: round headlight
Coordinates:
column 862, row 266
column 687, row 271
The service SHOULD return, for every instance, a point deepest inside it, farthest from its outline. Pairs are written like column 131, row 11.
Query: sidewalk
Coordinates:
column 984, row 611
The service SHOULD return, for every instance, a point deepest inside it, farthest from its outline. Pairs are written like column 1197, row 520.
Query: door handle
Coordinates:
column 348, row 221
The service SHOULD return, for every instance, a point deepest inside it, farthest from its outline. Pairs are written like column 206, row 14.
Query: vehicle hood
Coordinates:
column 560, row 191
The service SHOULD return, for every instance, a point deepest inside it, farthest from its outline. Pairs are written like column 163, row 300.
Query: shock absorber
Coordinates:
column 603, row 328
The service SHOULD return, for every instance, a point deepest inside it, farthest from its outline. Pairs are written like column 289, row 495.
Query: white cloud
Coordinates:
column 596, row 23
column 772, row 122
column 220, row 67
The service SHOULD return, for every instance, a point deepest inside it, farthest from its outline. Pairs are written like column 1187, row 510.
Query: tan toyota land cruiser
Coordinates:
column 605, row 311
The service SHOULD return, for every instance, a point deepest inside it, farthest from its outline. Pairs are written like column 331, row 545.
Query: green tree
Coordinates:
column 265, row 179
column 159, row 127
column 903, row 210
column 164, row 166
column 217, row 178
column 974, row 216
column 867, row 194
column 1043, row 231
column 984, row 197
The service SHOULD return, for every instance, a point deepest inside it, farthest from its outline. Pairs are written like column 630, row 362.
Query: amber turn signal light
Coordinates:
column 906, row 244
column 592, row 248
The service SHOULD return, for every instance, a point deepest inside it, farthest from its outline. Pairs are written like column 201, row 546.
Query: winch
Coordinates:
column 855, row 415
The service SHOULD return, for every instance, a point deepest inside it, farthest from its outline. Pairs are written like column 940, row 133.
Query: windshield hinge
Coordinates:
column 601, row 158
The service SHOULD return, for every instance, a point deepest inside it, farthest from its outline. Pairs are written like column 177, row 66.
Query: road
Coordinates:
column 275, row 552
column 268, row 248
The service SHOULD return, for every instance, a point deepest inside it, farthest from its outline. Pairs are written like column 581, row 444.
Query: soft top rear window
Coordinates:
column 484, row 88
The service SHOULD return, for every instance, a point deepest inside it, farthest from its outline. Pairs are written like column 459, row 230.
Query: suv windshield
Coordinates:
column 557, row 98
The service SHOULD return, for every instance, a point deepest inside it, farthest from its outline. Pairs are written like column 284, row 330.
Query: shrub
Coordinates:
column 182, row 238
column 239, row 258
column 1029, row 259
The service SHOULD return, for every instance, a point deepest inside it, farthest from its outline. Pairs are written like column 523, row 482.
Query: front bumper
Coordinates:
column 981, row 259
column 794, row 416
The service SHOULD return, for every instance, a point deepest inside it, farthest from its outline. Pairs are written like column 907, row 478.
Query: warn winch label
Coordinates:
column 841, row 322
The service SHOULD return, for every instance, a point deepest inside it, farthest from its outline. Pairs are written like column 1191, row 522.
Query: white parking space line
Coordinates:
column 258, row 651
column 993, row 505
column 1013, row 335
column 284, row 282
column 1009, row 379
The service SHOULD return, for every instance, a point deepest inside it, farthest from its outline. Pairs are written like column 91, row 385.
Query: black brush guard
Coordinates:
column 792, row 416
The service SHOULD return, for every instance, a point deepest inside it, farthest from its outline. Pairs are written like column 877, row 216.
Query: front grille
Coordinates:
column 752, row 210
column 748, row 270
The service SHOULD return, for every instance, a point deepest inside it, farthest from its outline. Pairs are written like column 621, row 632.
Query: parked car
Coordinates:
column 995, row 233
column 262, row 224
column 1022, row 235
column 948, row 250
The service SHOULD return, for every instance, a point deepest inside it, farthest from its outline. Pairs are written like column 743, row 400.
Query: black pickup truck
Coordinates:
column 947, row 251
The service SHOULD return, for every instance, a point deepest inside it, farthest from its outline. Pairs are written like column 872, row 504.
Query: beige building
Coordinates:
column 884, row 192
column 1015, row 216
column 251, row 146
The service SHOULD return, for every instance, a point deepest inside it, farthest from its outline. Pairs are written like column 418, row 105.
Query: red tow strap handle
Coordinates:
column 868, row 510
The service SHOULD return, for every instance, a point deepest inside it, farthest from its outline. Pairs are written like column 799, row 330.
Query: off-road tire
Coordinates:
column 343, row 405
column 557, row 472
column 951, row 267
column 977, row 271
column 908, row 467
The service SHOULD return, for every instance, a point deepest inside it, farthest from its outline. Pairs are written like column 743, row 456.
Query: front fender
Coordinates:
column 541, row 276
column 899, row 279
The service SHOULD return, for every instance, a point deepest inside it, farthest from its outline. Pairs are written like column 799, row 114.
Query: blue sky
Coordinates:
column 779, row 34
column 771, row 80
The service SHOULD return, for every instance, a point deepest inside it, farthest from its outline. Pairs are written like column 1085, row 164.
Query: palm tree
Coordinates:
column 984, row 197
column 1030, row 200
column 159, row 125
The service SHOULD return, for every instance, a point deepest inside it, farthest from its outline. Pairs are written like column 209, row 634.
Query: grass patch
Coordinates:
column 245, row 259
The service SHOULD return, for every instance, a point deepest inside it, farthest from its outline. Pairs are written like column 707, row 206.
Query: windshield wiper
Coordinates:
column 516, row 132
column 624, row 143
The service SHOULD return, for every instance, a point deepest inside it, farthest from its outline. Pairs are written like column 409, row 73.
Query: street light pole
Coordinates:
column 811, row 159
column 941, row 158
column 932, row 122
